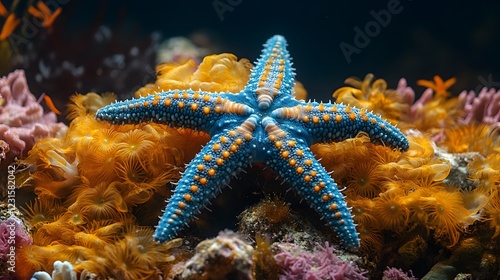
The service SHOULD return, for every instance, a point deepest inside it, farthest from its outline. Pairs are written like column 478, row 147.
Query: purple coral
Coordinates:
column 392, row 273
column 12, row 237
column 22, row 119
column 483, row 108
column 322, row 264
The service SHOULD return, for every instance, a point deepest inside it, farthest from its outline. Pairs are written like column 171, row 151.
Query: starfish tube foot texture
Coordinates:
column 261, row 123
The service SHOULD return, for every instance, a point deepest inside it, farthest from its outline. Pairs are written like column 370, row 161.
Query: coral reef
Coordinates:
column 22, row 119
column 96, row 189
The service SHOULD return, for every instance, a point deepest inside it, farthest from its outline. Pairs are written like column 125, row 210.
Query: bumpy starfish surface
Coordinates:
column 262, row 123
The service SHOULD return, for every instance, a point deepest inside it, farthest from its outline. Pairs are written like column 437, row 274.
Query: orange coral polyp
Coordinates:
column 479, row 138
column 9, row 26
column 447, row 214
column 439, row 86
column 391, row 211
column 31, row 259
column 3, row 10
column 365, row 179
column 41, row 211
column 135, row 144
column 101, row 202
column 44, row 13
column 216, row 73
column 373, row 97
column 86, row 105
column 485, row 168
column 362, row 209
column 99, row 166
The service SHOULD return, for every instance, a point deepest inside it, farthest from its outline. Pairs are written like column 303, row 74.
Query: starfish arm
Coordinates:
column 273, row 74
column 293, row 160
column 338, row 122
column 223, row 156
column 179, row 108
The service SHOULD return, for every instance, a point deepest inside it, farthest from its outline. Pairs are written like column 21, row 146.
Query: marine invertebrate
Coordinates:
column 12, row 235
column 392, row 273
column 87, row 104
column 263, row 263
column 321, row 264
column 439, row 86
column 225, row 256
column 485, row 168
column 447, row 215
column 480, row 138
column 133, row 145
column 31, row 259
column 263, row 122
column 419, row 162
column 100, row 202
column 22, row 118
column 366, row 179
column 432, row 112
column 273, row 210
column 391, row 210
column 220, row 72
column 43, row 13
column 9, row 25
column 483, row 108
column 492, row 212
column 3, row 10
column 133, row 257
column 373, row 96
column 41, row 211
column 99, row 165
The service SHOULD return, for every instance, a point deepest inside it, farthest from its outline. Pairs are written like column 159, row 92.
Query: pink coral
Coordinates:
column 12, row 234
column 322, row 264
column 22, row 119
column 392, row 273
column 483, row 108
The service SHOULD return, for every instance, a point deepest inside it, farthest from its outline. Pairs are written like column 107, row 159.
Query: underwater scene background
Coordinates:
column 397, row 178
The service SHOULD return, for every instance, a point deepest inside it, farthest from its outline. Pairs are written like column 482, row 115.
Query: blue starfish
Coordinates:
column 262, row 123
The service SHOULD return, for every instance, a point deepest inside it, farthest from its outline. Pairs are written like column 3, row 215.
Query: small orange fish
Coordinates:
column 50, row 104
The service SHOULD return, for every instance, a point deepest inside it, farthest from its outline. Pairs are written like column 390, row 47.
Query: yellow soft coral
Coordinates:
column 373, row 96
column 216, row 73
column 480, row 138
column 419, row 162
column 492, row 212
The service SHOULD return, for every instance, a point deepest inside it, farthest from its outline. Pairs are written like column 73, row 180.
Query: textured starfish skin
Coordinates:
column 262, row 123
